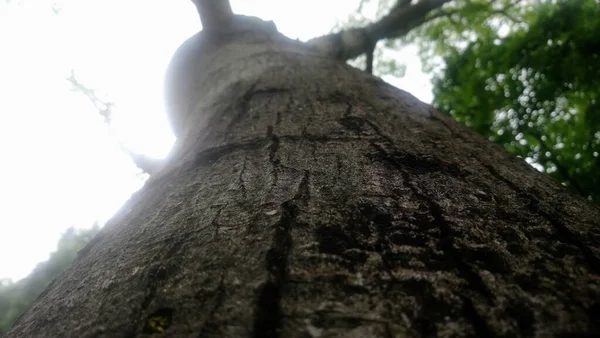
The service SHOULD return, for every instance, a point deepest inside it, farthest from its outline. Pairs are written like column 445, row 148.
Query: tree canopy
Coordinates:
column 524, row 74
column 17, row 297
column 535, row 90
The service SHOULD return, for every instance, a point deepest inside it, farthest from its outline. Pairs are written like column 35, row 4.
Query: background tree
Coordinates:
column 17, row 297
column 522, row 73
column 535, row 90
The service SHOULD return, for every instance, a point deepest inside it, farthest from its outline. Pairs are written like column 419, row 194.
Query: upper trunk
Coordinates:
column 305, row 198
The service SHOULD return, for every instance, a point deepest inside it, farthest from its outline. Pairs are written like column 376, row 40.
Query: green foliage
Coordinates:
column 17, row 297
column 535, row 91
column 460, row 22
column 525, row 74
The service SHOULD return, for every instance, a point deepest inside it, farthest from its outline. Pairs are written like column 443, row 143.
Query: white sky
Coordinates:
column 60, row 164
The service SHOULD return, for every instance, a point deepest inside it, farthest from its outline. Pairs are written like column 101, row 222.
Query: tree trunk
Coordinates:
column 305, row 198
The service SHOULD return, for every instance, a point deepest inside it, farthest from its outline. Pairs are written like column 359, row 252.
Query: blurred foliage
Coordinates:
column 535, row 91
column 461, row 22
column 17, row 297
column 523, row 73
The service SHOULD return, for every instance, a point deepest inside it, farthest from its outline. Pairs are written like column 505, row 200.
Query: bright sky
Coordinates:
column 60, row 164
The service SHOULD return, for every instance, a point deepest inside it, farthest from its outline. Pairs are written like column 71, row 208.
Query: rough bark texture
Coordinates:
column 305, row 198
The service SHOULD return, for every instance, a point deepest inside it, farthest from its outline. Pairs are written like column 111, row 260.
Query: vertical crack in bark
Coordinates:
column 243, row 104
column 241, row 179
column 268, row 315
column 311, row 107
column 563, row 232
column 446, row 243
column 313, row 152
column 348, row 110
column 303, row 193
column 218, row 300
column 150, row 293
column 155, row 275
column 479, row 323
column 214, row 221
column 273, row 158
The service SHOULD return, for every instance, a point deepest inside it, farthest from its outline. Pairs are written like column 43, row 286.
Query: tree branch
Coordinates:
column 505, row 13
column 401, row 4
column 147, row 164
column 214, row 14
column 353, row 42
column 104, row 108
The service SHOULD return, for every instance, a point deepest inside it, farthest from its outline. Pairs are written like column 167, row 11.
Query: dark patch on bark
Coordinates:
column 216, row 297
column 243, row 104
column 365, row 231
column 156, row 275
column 209, row 156
column 348, row 109
column 354, row 124
column 371, row 225
column 338, row 166
column 476, row 320
column 268, row 91
column 453, row 256
column 215, row 223
column 563, row 233
column 432, row 309
column 356, row 234
column 417, row 163
column 333, row 239
column 337, row 97
column 420, row 164
column 241, row 179
column 303, row 193
column 317, row 138
column 524, row 317
column 407, row 237
column 486, row 258
column 594, row 315
column 273, row 158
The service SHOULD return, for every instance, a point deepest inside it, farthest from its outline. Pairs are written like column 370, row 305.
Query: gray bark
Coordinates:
column 305, row 198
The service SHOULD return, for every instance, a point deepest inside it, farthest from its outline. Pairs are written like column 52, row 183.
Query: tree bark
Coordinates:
column 305, row 198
